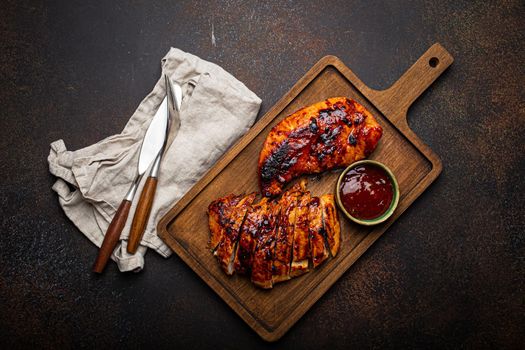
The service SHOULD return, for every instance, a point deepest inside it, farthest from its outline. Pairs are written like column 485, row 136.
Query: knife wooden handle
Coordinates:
column 112, row 236
column 142, row 212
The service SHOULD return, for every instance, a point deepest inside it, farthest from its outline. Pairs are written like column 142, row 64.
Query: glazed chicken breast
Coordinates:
column 274, row 240
column 301, row 244
column 264, row 249
column 285, row 233
column 227, row 247
column 326, row 135
column 316, row 233
column 219, row 212
column 332, row 228
column 248, row 235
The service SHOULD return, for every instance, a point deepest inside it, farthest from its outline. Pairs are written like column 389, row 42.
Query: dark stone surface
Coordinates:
column 450, row 273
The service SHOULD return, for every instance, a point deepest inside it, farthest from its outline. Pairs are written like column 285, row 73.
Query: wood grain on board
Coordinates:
column 272, row 312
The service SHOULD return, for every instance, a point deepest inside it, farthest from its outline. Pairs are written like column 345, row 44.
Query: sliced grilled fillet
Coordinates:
column 246, row 246
column 331, row 223
column 227, row 247
column 265, row 242
column 285, row 232
column 219, row 212
column 301, row 245
column 326, row 135
column 318, row 248
column 274, row 240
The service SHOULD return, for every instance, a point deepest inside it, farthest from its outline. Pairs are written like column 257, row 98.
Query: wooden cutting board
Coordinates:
column 272, row 312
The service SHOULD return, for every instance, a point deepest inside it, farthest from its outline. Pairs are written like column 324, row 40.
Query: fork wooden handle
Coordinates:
column 142, row 212
column 112, row 236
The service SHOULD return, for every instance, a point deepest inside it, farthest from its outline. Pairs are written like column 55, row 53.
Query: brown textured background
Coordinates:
column 450, row 273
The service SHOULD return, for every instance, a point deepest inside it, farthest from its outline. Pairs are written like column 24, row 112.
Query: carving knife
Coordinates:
column 151, row 146
column 140, row 219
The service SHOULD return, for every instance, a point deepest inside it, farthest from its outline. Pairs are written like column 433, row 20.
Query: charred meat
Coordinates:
column 326, row 135
column 273, row 240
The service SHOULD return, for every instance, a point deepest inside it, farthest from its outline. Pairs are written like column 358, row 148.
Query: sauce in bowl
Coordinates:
column 366, row 191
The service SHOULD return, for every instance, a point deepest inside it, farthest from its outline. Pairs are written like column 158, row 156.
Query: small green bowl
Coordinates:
column 393, row 204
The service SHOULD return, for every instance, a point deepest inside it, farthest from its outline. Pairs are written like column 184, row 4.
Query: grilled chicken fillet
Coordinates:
column 301, row 245
column 316, row 231
column 219, row 212
column 326, row 135
column 332, row 229
column 226, row 250
column 247, row 239
column 274, row 240
column 264, row 249
column 285, row 232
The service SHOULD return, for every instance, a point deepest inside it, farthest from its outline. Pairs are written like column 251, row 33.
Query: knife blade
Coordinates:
column 151, row 146
column 142, row 213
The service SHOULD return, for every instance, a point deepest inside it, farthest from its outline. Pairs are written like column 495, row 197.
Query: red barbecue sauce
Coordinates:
column 366, row 191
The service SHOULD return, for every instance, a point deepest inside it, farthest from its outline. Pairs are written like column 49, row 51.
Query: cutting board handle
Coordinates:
column 396, row 100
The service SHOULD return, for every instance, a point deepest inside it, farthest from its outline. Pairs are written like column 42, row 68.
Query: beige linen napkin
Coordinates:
column 216, row 110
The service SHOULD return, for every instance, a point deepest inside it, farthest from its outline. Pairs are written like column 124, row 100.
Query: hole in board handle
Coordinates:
column 433, row 62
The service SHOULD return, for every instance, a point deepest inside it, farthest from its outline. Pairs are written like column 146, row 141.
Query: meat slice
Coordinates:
column 227, row 247
column 219, row 212
column 274, row 240
column 249, row 230
column 332, row 228
column 285, row 232
column 301, row 246
column 326, row 135
column 318, row 248
column 265, row 242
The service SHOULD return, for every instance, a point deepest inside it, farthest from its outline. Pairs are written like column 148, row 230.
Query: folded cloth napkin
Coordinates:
column 216, row 110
